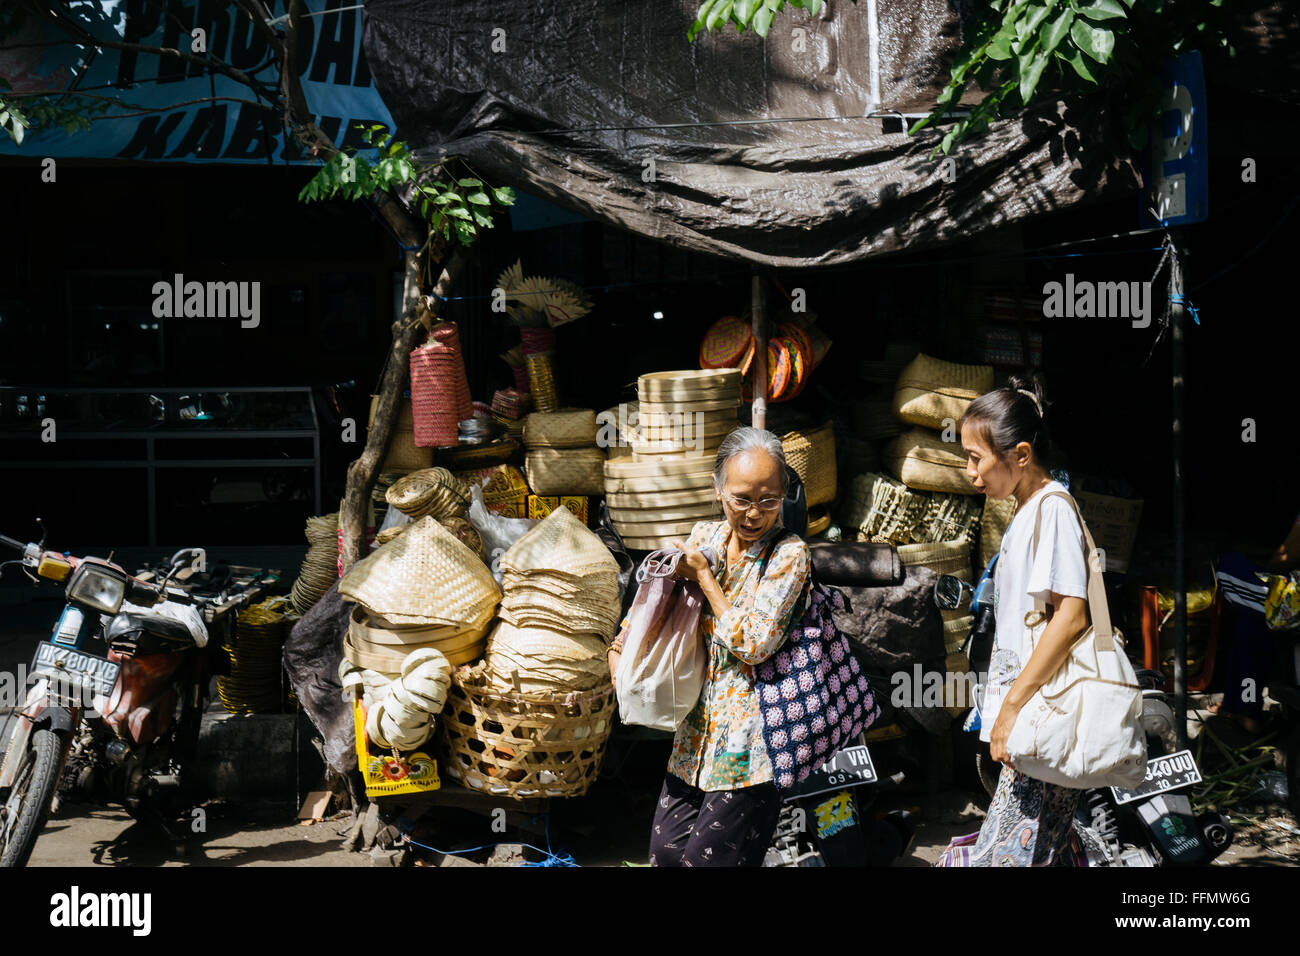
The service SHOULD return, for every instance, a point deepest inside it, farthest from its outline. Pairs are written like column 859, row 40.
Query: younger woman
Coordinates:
column 1005, row 440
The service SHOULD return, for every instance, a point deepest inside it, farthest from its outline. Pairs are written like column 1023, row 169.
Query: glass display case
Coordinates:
column 206, row 464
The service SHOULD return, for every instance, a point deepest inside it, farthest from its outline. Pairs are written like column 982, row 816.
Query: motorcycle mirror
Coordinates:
column 948, row 591
column 44, row 532
column 185, row 557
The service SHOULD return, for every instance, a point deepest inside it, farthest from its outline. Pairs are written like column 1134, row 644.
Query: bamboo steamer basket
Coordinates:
column 708, row 419
column 666, row 499
column 653, row 484
column 670, row 384
column 630, row 516
column 677, row 408
column 644, row 469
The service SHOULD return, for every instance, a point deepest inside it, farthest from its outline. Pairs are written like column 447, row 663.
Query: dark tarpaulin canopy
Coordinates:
column 596, row 105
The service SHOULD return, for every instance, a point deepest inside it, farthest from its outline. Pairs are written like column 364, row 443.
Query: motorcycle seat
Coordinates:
column 170, row 623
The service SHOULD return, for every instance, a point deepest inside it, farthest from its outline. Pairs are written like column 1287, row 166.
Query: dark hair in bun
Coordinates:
column 1007, row 416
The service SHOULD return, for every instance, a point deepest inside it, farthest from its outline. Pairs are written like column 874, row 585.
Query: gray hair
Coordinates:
column 745, row 439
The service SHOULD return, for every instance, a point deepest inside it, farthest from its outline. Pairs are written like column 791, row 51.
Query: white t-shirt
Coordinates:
column 1061, row 567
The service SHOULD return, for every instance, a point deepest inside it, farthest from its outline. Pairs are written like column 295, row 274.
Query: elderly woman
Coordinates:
column 718, row 806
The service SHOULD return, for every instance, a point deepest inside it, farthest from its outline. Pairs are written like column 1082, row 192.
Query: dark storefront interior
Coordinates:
column 82, row 254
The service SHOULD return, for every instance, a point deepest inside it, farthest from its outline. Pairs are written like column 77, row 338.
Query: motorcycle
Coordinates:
column 119, row 689
column 824, row 821
column 1151, row 825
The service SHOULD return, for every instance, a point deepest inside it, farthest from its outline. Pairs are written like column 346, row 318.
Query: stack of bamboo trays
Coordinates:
column 659, row 493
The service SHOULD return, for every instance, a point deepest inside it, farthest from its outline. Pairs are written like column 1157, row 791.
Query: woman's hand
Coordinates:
column 693, row 566
column 1007, row 715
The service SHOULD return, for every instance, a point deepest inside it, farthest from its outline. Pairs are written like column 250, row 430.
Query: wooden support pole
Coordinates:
column 758, row 310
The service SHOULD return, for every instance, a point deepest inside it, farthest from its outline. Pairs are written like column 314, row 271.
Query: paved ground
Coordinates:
column 607, row 828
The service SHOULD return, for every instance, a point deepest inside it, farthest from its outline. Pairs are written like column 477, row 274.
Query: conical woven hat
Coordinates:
column 426, row 576
column 562, row 543
column 544, row 659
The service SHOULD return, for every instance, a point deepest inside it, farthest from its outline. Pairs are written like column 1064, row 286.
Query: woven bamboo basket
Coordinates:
column 941, row 557
column 931, row 390
column 541, row 381
column 923, row 460
column 812, row 455
column 993, row 525
column 524, row 745
column 403, row 454
column 566, row 471
column 567, row 428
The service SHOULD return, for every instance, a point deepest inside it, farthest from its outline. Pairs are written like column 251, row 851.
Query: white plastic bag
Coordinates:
column 498, row 532
column 662, row 669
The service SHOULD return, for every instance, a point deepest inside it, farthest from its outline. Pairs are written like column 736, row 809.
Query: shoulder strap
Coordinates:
column 1098, row 609
column 771, row 549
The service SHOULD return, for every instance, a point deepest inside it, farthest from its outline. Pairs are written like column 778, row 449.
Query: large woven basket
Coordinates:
column 812, row 455
column 941, row 557
column 403, row 454
column 993, row 525
column 930, row 390
column 921, row 459
column 524, row 745
column 566, row 471
column 567, row 428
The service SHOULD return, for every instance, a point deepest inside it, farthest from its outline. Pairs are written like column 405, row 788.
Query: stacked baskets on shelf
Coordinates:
column 561, row 455
column 320, row 566
column 659, row 492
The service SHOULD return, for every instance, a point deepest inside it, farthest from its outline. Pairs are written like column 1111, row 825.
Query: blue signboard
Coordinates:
column 177, row 111
column 1177, row 160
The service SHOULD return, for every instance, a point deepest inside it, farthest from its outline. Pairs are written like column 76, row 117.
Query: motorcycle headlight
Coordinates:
column 100, row 587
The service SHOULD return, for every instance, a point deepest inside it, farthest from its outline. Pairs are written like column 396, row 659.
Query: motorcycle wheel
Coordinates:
column 989, row 770
column 29, row 801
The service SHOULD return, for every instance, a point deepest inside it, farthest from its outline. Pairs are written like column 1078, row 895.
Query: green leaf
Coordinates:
column 504, row 195
column 1029, row 76
column 1080, row 65
column 482, row 218
column 1097, row 42
column 467, row 183
column 745, row 9
column 1102, row 10
column 1000, row 47
column 763, row 19
column 479, row 198
column 1037, row 14
column 1054, row 32
column 721, row 10
column 459, row 212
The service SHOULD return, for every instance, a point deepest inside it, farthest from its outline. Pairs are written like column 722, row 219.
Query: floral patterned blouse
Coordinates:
column 719, row 746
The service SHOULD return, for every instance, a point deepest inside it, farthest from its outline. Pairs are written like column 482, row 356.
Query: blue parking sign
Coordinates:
column 1177, row 160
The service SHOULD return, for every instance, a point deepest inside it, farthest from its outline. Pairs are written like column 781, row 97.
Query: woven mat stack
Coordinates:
column 560, row 609
column 254, row 684
column 423, row 589
column 665, row 486
column 320, row 566
column 561, row 453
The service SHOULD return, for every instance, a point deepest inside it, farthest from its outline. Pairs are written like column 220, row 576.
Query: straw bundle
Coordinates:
column 882, row 509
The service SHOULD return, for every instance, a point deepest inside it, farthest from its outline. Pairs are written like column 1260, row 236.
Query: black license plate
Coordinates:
column 70, row 671
column 851, row 767
column 1168, row 772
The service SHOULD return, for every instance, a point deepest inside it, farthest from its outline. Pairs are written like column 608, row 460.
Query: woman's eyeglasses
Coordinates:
column 744, row 504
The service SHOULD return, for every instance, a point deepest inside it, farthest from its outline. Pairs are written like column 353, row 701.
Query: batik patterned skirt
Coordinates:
column 1029, row 823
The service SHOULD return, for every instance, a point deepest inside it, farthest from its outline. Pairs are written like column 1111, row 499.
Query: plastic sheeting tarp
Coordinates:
column 748, row 148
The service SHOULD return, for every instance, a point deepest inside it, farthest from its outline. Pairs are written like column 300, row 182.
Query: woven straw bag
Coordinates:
column 403, row 454
column 812, row 455
column 921, row 459
column 930, row 390
column 566, row 471
column 567, row 428
column 941, row 557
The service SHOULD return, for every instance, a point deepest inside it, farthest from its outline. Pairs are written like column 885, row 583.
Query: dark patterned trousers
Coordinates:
column 718, row 828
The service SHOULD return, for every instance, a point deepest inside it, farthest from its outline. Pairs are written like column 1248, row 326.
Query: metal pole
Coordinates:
column 758, row 319
column 1177, row 281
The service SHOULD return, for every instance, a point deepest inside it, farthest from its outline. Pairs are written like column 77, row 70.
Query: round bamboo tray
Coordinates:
column 655, row 483
column 652, row 408
column 667, row 499
column 645, row 515
column 525, row 745
column 697, row 379
column 643, row 469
